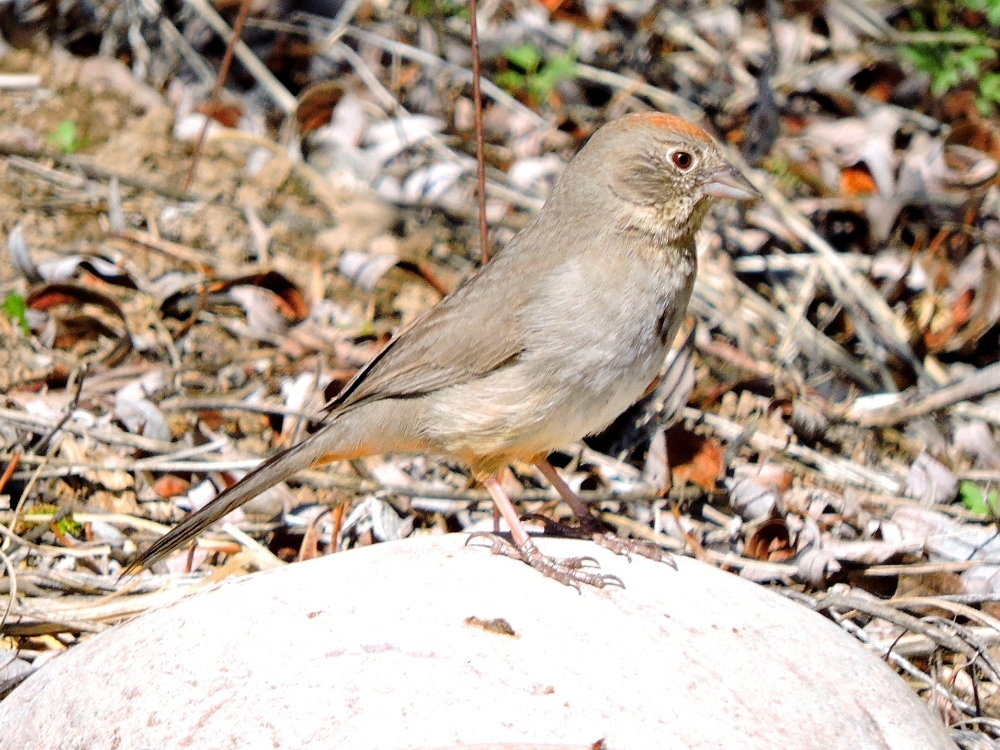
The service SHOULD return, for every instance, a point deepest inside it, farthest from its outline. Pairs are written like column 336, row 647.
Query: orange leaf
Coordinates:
column 693, row 458
column 857, row 181
column 170, row 486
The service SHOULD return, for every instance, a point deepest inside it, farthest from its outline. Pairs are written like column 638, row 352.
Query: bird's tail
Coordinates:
column 275, row 469
column 382, row 426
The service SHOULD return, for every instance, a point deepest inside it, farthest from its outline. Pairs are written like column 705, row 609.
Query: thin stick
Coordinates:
column 274, row 88
column 227, row 60
column 93, row 171
column 12, row 592
column 477, row 100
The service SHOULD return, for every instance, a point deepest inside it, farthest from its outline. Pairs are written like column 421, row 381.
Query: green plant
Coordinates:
column 65, row 137
column 951, row 53
column 14, row 308
column 973, row 498
column 535, row 77
column 438, row 9
column 70, row 526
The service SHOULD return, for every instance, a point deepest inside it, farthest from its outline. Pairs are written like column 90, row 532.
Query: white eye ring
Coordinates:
column 681, row 159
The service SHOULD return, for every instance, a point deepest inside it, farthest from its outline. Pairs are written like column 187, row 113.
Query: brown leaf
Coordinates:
column 73, row 328
column 316, row 104
column 693, row 459
column 771, row 541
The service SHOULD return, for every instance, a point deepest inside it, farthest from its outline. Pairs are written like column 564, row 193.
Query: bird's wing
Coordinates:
column 467, row 335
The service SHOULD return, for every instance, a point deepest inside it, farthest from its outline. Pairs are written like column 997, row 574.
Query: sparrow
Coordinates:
column 560, row 332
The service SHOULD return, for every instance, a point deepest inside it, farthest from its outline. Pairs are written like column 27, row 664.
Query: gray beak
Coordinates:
column 726, row 182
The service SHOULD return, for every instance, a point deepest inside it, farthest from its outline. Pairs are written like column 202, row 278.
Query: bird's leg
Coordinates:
column 592, row 527
column 571, row 571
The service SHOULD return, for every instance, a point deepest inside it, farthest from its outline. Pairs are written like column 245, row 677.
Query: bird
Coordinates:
column 565, row 328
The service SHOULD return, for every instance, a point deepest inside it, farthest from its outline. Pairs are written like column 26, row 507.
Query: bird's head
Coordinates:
column 662, row 172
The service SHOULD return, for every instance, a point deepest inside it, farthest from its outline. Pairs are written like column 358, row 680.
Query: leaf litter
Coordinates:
column 827, row 424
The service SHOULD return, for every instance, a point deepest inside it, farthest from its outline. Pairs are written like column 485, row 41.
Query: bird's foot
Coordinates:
column 628, row 547
column 591, row 528
column 570, row 571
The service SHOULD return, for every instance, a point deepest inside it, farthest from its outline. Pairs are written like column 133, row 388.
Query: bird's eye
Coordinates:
column 682, row 160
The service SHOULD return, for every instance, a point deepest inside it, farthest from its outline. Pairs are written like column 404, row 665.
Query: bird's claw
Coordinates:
column 570, row 571
column 590, row 528
column 628, row 547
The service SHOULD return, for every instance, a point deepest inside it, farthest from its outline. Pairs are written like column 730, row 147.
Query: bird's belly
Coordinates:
column 519, row 414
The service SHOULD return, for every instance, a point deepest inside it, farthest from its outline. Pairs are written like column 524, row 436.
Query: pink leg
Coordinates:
column 580, row 510
column 592, row 528
column 570, row 572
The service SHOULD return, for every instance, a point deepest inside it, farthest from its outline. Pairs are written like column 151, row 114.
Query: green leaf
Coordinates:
column 558, row 68
column 64, row 137
column 421, row 8
column 972, row 498
column 69, row 526
column 923, row 57
column 989, row 93
column 944, row 80
column 525, row 56
column 970, row 57
column 563, row 66
column 510, row 80
column 14, row 308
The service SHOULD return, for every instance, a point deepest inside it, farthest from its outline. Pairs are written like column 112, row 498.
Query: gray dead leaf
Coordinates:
column 831, row 75
column 751, row 498
column 376, row 515
column 263, row 316
column 721, row 22
column 537, row 174
column 921, row 180
column 982, row 580
column 177, row 562
column 365, row 269
column 116, row 214
column 11, row 666
column 109, row 534
column 924, row 174
column 891, row 266
column 388, row 474
column 58, row 269
column 807, row 419
column 388, row 138
column 20, row 256
column 854, row 140
column 969, row 167
column 869, row 552
column 796, row 43
column 816, row 566
column 188, row 128
column 656, row 468
column 434, row 183
column 142, row 417
column 944, row 538
column 200, row 495
column 301, row 395
column 931, row 481
column 849, row 20
column 976, row 439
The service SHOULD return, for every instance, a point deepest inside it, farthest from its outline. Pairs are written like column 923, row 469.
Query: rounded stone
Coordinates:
column 426, row 643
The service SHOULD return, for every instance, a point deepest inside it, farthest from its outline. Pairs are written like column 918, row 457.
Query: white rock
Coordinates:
column 372, row 649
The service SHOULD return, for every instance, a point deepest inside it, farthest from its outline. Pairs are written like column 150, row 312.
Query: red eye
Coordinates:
column 682, row 160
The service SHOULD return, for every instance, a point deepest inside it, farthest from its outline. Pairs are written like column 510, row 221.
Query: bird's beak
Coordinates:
column 726, row 182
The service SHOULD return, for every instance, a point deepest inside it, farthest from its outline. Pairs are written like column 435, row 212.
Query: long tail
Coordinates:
column 275, row 469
